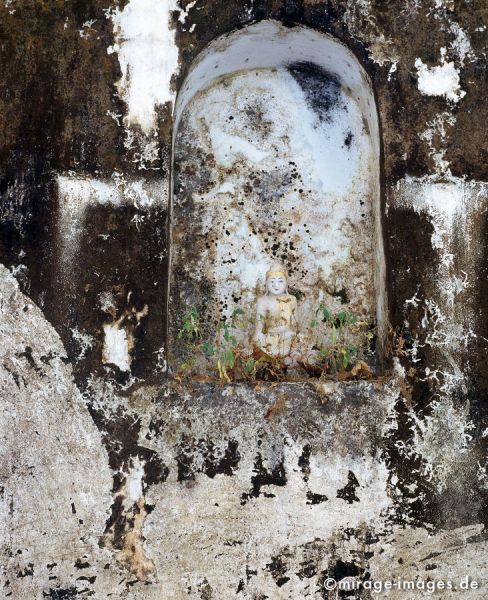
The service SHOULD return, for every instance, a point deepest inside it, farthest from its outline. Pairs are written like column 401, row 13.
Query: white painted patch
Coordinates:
column 116, row 347
column 115, row 116
column 442, row 438
column 87, row 28
column 84, row 340
column 8, row 5
column 441, row 80
column 442, row 201
column 436, row 137
column 461, row 44
column 443, row 4
column 80, row 191
column 106, row 302
column 148, row 57
column 393, row 69
column 134, row 481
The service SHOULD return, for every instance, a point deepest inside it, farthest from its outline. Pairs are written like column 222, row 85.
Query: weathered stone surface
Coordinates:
column 375, row 480
column 55, row 481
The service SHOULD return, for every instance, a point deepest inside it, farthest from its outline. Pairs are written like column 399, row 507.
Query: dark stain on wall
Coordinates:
column 265, row 477
column 62, row 594
column 348, row 492
column 322, row 90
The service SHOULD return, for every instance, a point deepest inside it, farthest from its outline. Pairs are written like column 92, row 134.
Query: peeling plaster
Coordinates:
column 362, row 22
column 84, row 340
column 54, row 474
column 148, row 57
column 119, row 336
column 461, row 45
column 436, row 135
column 448, row 318
column 445, row 441
column 184, row 12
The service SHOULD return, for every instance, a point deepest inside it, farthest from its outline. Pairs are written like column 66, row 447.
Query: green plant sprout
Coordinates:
column 226, row 344
column 221, row 351
column 190, row 324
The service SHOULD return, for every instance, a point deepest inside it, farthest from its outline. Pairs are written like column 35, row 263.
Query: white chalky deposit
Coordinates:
column 440, row 80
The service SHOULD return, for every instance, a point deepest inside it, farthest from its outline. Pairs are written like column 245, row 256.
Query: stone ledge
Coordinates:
column 350, row 415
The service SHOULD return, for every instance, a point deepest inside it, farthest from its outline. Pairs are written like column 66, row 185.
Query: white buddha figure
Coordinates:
column 276, row 321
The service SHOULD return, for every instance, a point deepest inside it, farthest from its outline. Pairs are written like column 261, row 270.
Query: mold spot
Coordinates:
column 316, row 498
column 348, row 492
column 262, row 477
column 348, row 139
column 278, row 568
column 322, row 89
column 62, row 594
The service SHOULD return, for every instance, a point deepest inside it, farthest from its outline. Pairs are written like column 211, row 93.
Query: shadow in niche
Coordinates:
column 276, row 157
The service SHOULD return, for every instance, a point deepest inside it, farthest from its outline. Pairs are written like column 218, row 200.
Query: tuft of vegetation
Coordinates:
column 335, row 346
column 339, row 342
column 224, row 349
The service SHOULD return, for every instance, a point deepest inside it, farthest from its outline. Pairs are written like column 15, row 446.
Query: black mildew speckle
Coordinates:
column 61, row 594
column 304, row 462
column 278, row 568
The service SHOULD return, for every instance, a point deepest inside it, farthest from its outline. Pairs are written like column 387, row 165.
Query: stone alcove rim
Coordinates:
column 273, row 33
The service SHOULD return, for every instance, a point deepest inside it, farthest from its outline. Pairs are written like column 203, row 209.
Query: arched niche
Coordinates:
column 276, row 155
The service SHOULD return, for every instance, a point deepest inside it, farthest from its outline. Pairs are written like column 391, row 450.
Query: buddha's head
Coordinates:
column 276, row 280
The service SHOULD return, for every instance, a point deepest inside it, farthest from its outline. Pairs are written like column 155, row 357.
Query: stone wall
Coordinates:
column 119, row 481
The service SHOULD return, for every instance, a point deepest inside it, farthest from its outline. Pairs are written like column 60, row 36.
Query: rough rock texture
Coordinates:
column 119, row 482
column 55, row 480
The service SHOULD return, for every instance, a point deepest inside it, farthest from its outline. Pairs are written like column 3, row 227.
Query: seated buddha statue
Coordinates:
column 276, row 322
